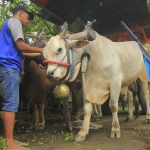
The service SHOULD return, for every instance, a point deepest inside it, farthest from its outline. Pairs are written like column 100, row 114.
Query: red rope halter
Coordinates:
column 56, row 62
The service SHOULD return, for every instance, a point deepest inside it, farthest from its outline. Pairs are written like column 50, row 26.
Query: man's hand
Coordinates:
column 42, row 49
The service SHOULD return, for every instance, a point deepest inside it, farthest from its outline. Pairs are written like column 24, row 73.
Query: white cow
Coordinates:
column 112, row 67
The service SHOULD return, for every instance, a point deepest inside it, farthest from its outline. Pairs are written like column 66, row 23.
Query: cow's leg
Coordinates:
column 145, row 92
column 97, row 112
column 81, row 136
column 136, row 104
column 134, row 88
column 41, row 104
column 113, row 104
column 35, row 113
column 130, row 106
column 99, row 108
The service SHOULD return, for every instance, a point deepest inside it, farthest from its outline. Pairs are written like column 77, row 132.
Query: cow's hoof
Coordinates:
column 80, row 138
column 128, row 119
column 96, row 119
column 41, row 127
column 147, row 121
column 33, row 127
column 115, row 134
column 136, row 117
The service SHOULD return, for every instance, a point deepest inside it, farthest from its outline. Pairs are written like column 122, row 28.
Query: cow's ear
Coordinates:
column 78, row 43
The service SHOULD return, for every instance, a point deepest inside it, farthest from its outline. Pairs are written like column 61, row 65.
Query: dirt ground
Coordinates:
column 135, row 134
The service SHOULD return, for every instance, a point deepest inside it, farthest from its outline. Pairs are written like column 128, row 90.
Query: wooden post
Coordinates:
column 67, row 114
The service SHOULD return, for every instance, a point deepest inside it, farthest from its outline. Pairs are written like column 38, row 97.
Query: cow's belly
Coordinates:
column 131, row 73
column 96, row 91
column 98, row 97
column 129, row 80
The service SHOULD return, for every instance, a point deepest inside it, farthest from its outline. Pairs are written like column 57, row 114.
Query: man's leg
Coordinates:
column 9, row 120
column 9, row 85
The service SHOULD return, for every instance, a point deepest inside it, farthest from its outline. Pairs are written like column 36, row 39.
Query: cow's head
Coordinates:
column 57, row 52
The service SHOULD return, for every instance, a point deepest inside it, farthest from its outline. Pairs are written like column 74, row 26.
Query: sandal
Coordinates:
column 23, row 148
column 22, row 143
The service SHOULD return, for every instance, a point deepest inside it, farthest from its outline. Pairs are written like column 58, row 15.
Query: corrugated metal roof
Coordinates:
column 107, row 13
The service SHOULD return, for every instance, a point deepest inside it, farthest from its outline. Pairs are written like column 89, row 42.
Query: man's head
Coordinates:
column 22, row 14
column 22, row 8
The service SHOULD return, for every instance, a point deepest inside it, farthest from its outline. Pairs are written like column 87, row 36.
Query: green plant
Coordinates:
column 147, row 47
column 2, row 143
column 69, row 136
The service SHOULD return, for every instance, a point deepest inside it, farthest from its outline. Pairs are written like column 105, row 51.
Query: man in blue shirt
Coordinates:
column 12, row 48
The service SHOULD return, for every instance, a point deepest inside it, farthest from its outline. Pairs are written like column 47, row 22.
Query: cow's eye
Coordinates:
column 59, row 50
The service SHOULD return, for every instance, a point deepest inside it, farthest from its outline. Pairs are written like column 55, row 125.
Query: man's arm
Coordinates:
column 23, row 47
column 31, row 54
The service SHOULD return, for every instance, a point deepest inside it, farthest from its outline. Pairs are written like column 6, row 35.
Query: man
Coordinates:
column 12, row 48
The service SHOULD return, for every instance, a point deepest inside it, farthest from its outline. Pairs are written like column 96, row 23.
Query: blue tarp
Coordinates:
column 147, row 65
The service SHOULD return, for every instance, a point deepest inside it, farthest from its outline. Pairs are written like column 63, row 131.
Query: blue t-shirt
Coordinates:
column 10, row 56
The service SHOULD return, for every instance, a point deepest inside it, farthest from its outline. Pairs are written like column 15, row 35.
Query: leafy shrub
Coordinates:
column 69, row 136
column 2, row 143
column 147, row 47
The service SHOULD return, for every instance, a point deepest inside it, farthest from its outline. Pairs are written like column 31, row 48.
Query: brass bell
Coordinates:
column 61, row 91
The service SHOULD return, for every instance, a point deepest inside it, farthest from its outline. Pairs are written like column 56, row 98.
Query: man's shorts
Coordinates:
column 9, row 85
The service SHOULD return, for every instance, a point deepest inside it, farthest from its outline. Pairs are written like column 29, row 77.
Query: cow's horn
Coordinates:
column 64, row 29
column 83, row 35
